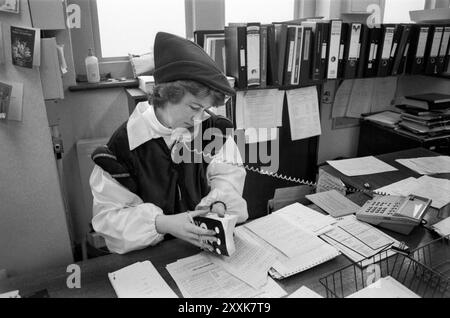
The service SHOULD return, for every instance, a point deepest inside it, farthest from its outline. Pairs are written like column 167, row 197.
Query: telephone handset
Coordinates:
column 397, row 213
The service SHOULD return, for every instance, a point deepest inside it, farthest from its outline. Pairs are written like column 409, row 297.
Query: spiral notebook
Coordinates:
column 297, row 249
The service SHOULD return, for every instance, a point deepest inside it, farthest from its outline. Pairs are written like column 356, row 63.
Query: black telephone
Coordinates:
column 397, row 213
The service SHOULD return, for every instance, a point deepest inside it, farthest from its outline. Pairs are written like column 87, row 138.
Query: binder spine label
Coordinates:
column 307, row 44
column 335, row 40
column 445, row 41
column 324, row 51
column 387, row 45
column 253, row 55
column 436, row 42
column 291, row 55
column 422, row 43
column 242, row 57
column 354, row 42
column 394, row 48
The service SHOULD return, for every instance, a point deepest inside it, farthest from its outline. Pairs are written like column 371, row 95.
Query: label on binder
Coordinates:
column 242, row 58
column 388, row 38
column 324, row 51
column 445, row 41
column 436, row 42
column 354, row 41
column 335, row 40
column 422, row 42
column 394, row 48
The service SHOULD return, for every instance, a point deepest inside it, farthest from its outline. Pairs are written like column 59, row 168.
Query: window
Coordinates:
column 397, row 11
column 264, row 11
column 130, row 26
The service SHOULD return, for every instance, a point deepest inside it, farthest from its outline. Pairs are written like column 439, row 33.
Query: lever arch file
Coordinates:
column 433, row 49
column 333, row 49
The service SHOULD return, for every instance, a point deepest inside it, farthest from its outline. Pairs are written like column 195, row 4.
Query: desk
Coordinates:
column 94, row 279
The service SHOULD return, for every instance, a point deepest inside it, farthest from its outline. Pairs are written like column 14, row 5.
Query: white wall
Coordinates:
column 33, row 229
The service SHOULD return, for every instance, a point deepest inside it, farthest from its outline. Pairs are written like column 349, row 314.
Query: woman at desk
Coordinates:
column 140, row 192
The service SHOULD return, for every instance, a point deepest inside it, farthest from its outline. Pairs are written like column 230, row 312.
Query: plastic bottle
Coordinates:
column 92, row 70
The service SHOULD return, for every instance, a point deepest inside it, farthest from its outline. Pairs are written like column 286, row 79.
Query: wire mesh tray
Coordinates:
column 408, row 270
column 435, row 255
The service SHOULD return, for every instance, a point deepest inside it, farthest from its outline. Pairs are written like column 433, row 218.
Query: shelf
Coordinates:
column 112, row 83
column 439, row 15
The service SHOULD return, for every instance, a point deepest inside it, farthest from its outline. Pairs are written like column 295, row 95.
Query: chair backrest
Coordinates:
column 286, row 196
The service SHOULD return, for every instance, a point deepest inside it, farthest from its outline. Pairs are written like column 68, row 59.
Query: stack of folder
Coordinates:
column 425, row 115
column 304, row 52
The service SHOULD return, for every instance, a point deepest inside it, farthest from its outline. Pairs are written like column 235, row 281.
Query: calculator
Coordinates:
column 397, row 213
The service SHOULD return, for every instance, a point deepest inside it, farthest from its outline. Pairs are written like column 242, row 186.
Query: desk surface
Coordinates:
column 95, row 283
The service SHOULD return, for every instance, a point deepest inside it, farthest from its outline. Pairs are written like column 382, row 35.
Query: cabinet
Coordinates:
column 375, row 140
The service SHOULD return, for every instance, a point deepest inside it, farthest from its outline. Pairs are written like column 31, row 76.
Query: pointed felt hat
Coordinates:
column 179, row 59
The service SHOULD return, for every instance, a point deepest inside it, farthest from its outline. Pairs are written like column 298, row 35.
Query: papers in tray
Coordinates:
column 360, row 241
column 140, row 280
column 385, row 287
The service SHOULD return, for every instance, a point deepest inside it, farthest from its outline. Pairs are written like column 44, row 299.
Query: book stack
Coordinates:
column 425, row 115
column 304, row 52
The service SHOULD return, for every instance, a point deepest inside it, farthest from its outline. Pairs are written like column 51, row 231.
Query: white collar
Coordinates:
column 143, row 126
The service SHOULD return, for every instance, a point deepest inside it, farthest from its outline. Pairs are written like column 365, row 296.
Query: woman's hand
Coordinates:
column 180, row 226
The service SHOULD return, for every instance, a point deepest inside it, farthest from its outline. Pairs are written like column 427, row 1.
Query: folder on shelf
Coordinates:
column 403, row 32
column 281, row 43
column 263, row 55
column 415, row 63
column 384, row 52
column 371, row 67
column 352, row 50
column 433, row 46
column 343, row 45
column 199, row 35
column 272, row 57
column 333, row 48
column 236, row 54
column 442, row 57
column 298, row 48
column 253, row 54
column 289, row 61
column 305, row 59
column 319, row 45
column 364, row 51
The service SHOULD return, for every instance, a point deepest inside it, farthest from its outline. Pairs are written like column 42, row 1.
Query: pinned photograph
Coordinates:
column 9, row 6
column 5, row 97
column 25, row 50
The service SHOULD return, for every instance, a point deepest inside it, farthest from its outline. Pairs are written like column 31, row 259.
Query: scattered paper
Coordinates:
column 333, row 203
column 304, row 292
column 140, row 280
column 198, row 277
column 254, row 135
column 360, row 166
column 250, row 262
column 302, row 216
column 442, row 227
column 341, row 99
column 427, row 165
column 384, row 90
column 350, row 243
column 11, row 294
column 326, row 182
column 436, row 189
column 360, row 97
column 385, row 287
column 304, row 117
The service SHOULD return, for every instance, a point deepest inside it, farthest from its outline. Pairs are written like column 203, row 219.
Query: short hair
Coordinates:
column 174, row 92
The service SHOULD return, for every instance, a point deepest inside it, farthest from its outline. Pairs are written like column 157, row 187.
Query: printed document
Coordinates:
column 333, row 203
column 385, row 287
column 442, row 227
column 360, row 166
column 304, row 117
column 140, row 280
column 427, row 165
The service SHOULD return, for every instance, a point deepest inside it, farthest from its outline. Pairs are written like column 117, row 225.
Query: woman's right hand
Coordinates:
column 180, row 226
